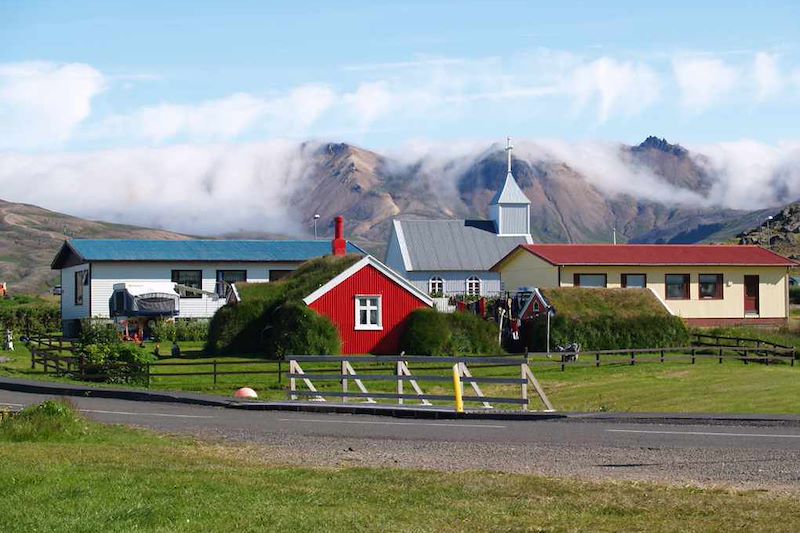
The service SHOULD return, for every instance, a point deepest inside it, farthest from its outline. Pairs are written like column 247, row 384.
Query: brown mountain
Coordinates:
column 369, row 190
column 30, row 237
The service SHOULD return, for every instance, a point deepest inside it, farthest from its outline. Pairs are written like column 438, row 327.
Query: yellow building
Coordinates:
column 708, row 285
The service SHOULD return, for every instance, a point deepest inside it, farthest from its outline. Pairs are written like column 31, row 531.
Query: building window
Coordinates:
column 368, row 312
column 436, row 286
column 276, row 274
column 536, row 307
column 188, row 278
column 226, row 278
column 596, row 281
column 677, row 286
column 81, row 281
column 710, row 286
column 634, row 281
column 473, row 286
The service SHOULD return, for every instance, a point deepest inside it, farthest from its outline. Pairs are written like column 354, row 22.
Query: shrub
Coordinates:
column 27, row 313
column 449, row 334
column 179, row 330
column 295, row 329
column 427, row 333
column 610, row 333
column 119, row 362
column 98, row 332
column 50, row 420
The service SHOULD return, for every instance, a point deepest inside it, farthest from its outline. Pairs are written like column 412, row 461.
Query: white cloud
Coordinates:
column 625, row 87
column 755, row 174
column 767, row 75
column 703, row 81
column 196, row 189
column 222, row 119
column 42, row 103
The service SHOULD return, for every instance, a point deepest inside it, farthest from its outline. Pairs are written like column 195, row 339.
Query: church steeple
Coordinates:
column 510, row 208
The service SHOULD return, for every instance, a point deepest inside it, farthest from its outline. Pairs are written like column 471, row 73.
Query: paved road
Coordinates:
column 743, row 455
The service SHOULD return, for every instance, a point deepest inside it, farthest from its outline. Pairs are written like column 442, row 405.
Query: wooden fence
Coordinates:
column 745, row 354
column 58, row 357
column 398, row 371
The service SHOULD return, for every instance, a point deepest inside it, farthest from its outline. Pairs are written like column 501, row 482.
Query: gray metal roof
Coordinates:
column 510, row 193
column 455, row 244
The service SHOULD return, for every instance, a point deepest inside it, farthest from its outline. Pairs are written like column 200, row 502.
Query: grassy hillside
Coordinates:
column 30, row 237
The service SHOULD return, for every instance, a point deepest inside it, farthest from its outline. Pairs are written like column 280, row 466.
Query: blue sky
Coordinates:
column 78, row 76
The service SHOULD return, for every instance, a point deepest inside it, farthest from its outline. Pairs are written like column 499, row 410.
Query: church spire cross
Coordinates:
column 508, row 149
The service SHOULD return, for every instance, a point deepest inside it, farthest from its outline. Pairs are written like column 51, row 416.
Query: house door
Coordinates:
column 751, row 295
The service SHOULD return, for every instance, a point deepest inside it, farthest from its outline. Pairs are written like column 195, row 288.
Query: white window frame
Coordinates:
column 473, row 279
column 439, row 281
column 359, row 306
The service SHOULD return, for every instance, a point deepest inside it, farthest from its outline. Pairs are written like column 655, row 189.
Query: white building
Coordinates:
column 148, row 272
column 448, row 257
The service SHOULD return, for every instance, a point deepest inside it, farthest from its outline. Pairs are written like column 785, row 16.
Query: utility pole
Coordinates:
column 769, row 240
column 316, row 217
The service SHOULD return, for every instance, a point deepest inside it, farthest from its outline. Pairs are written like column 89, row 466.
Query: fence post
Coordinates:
column 597, row 360
column 662, row 356
column 693, row 355
column 33, row 358
column 343, row 371
column 397, row 367
column 524, row 386
column 720, row 356
column 633, row 358
column 279, row 372
column 214, row 371
column 745, row 357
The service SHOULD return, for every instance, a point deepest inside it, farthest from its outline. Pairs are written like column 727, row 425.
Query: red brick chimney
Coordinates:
column 339, row 245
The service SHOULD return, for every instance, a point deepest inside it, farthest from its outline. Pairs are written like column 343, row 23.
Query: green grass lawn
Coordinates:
column 705, row 387
column 81, row 476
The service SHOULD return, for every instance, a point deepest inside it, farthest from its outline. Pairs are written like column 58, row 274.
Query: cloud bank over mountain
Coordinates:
column 218, row 188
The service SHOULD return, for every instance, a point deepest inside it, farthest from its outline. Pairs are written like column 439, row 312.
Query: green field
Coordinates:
column 81, row 476
column 707, row 386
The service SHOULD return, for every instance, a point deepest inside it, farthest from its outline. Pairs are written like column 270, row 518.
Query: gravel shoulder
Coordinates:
column 774, row 470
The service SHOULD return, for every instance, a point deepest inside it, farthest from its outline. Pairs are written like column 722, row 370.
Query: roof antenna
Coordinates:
column 508, row 149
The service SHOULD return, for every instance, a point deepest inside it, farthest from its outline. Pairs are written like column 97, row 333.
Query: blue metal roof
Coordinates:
column 202, row 250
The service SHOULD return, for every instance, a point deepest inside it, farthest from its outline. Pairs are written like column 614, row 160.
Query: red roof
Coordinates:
column 656, row 254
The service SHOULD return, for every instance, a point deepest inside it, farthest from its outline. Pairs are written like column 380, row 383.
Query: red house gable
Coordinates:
column 363, row 283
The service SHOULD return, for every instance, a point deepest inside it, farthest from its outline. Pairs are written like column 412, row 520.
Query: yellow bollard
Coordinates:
column 457, row 387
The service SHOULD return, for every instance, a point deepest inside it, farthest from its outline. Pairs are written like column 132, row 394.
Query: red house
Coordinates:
column 369, row 303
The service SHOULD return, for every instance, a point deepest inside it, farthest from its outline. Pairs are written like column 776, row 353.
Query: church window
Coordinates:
column 473, row 286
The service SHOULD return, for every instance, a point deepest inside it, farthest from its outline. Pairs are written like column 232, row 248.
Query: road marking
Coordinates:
column 12, row 404
column 705, row 433
column 317, row 421
column 98, row 411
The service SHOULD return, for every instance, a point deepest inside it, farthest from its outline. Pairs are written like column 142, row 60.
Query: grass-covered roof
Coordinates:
column 583, row 302
column 310, row 276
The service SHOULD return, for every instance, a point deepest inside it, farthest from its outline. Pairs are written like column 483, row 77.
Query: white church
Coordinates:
column 450, row 257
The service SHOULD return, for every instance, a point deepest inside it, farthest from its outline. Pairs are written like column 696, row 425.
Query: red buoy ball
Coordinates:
column 245, row 393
